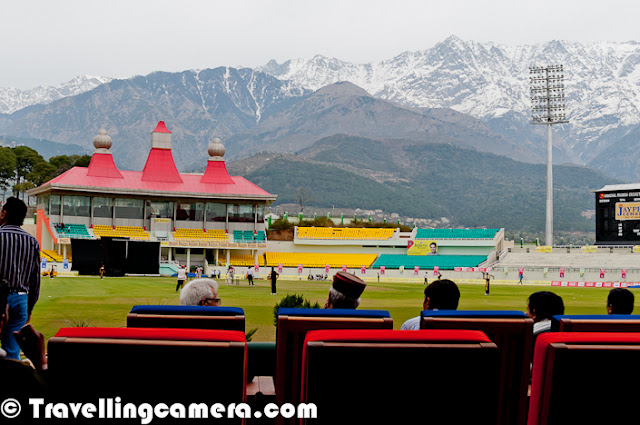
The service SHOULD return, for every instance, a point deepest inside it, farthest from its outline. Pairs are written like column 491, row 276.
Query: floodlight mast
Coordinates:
column 547, row 107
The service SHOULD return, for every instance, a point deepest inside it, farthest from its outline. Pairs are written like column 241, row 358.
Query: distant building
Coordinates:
column 193, row 217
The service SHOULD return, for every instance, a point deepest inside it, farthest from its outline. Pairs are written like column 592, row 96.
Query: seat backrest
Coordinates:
column 572, row 369
column 148, row 365
column 512, row 332
column 430, row 376
column 596, row 323
column 292, row 326
column 186, row 316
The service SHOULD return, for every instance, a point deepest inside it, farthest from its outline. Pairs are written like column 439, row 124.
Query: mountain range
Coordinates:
column 426, row 180
column 250, row 108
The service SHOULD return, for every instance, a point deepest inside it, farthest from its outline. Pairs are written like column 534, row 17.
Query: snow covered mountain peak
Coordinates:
column 12, row 99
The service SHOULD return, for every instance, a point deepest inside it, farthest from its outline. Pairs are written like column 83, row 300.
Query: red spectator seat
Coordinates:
column 148, row 365
column 430, row 376
column 580, row 378
column 292, row 326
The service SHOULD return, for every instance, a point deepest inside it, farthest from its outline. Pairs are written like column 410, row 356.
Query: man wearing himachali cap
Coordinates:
column 345, row 291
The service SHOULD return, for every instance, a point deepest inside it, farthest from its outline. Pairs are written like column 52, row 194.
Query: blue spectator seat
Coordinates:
column 186, row 316
column 596, row 323
column 512, row 332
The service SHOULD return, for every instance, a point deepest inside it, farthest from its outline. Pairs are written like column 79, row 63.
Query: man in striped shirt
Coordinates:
column 20, row 267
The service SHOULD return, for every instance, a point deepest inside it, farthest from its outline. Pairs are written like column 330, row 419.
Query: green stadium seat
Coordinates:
column 444, row 262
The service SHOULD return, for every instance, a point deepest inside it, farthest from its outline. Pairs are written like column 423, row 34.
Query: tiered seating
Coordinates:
column 86, row 363
column 132, row 232
column 311, row 259
column 570, row 370
column 200, row 234
column 51, row 255
column 245, row 260
column 344, row 233
column 291, row 329
column 444, row 262
column 435, row 377
column 71, row 230
column 512, row 332
column 435, row 234
column 181, row 316
column 247, row 236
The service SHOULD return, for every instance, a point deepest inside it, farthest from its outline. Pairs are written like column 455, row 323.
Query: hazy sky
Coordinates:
column 47, row 42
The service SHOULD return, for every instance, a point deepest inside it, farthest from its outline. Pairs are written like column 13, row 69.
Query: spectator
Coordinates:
column 20, row 267
column 620, row 301
column 200, row 292
column 345, row 291
column 442, row 294
column 541, row 307
column 19, row 379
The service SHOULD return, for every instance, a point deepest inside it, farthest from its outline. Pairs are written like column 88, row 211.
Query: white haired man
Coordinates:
column 200, row 292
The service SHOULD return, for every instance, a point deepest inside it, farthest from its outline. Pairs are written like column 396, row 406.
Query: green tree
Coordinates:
column 7, row 167
column 63, row 163
column 26, row 159
column 42, row 172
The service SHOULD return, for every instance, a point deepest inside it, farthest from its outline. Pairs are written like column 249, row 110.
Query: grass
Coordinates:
column 89, row 301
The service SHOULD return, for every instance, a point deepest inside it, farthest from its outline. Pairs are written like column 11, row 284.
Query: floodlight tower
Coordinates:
column 547, row 107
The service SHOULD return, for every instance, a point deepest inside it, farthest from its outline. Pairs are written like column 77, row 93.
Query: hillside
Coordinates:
column 427, row 180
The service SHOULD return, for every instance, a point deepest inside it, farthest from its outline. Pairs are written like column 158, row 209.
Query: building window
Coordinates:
column 260, row 210
column 216, row 211
column 103, row 207
column 159, row 209
column 241, row 213
column 129, row 208
column 77, row 206
column 190, row 211
column 55, row 205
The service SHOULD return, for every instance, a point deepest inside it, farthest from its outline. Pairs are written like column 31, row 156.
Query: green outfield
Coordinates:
column 91, row 301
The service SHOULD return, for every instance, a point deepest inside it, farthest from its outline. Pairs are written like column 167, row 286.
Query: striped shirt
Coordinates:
column 20, row 262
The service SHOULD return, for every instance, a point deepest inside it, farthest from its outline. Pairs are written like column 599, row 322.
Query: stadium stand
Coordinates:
column 247, row 236
column 570, row 370
column 309, row 259
column 71, row 230
column 444, row 262
column 292, row 326
column 183, row 316
column 345, row 233
column 436, row 376
column 200, row 234
column 246, row 260
column 512, row 332
column 51, row 255
column 86, row 363
column 596, row 323
column 132, row 232
column 456, row 233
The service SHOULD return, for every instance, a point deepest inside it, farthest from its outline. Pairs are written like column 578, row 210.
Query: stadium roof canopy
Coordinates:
column 159, row 178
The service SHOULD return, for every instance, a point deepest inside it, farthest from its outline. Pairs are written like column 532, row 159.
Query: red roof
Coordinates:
column 161, row 128
column 160, row 167
column 131, row 181
column 102, row 165
column 216, row 172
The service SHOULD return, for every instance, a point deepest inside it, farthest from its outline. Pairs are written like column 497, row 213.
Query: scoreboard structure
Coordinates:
column 618, row 215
